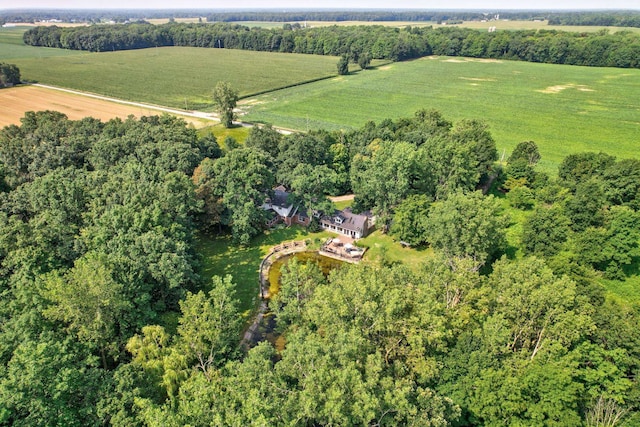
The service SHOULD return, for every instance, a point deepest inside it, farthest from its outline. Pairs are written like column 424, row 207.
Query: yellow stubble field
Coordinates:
column 16, row 101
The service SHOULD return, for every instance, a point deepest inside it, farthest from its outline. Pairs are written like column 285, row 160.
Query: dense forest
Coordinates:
column 611, row 18
column 105, row 318
column 621, row 49
column 347, row 15
column 30, row 16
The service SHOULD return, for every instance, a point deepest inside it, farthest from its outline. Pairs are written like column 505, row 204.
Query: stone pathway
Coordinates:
column 278, row 251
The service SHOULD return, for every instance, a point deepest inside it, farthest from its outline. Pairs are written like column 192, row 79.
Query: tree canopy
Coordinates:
column 108, row 318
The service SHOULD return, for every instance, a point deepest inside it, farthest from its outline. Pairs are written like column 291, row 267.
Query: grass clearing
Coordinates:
column 343, row 204
column 596, row 110
column 386, row 248
column 220, row 256
column 626, row 292
column 239, row 133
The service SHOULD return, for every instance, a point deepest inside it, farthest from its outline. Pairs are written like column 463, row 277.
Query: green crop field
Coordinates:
column 180, row 77
column 564, row 109
column 13, row 48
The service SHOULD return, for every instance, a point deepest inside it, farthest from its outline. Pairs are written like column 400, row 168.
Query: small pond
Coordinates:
column 326, row 264
column 268, row 324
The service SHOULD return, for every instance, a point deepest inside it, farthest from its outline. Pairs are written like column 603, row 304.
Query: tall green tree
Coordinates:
column 613, row 246
column 91, row 302
column 622, row 183
column 209, row 325
column 311, row 185
column 387, row 175
column 545, row 231
column 475, row 133
column 343, row 65
column 467, row 226
column 9, row 74
column 525, row 150
column 364, row 60
column 297, row 283
column 225, row 98
column 411, row 218
column 266, row 138
column 243, row 179
column 54, row 381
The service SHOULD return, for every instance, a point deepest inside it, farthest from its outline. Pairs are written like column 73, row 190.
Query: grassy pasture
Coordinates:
column 564, row 109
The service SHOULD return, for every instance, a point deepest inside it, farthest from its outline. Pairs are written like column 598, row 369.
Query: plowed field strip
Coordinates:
column 14, row 102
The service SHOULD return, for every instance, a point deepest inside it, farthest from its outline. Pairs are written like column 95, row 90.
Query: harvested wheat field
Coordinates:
column 14, row 102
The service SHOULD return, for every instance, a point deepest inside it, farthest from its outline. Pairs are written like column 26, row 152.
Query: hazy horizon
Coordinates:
column 542, row 5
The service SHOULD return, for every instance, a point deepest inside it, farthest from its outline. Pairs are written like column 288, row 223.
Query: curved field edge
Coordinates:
column 564, row 109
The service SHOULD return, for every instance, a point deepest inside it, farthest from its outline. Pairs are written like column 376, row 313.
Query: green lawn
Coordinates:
column 239, row 133
column 220, row 256
column 343, row 204
column 387, row 249
column 564, row 109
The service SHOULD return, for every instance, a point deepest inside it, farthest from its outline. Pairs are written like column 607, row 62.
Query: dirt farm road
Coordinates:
column 185, row 113
column 344, row 198
column 194, row 114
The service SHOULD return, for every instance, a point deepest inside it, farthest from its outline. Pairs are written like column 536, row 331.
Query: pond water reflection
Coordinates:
column 326, row 265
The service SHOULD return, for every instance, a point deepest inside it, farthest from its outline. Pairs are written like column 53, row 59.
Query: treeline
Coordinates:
column 345, row 15
column 30, row 16
column 628, row 18
column 601, row 49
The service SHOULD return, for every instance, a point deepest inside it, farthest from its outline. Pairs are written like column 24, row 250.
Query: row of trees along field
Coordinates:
column 104, row 318
column 610, row 18
column 621, row 49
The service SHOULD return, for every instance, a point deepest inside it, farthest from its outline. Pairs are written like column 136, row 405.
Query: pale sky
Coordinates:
column 335, row 4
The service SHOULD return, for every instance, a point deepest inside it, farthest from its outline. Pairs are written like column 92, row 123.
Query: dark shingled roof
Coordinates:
column 351, row 221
